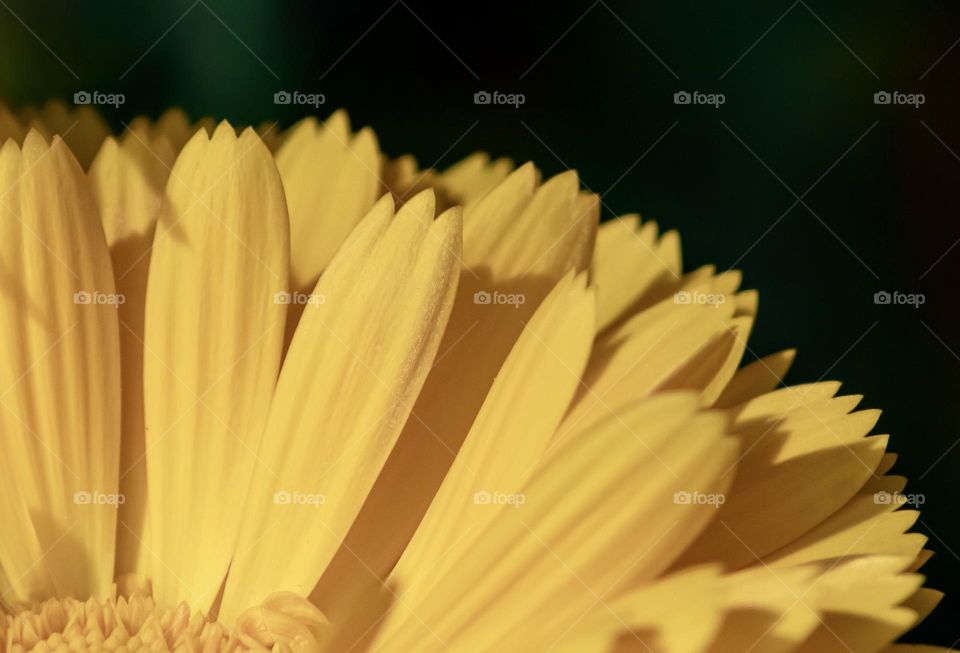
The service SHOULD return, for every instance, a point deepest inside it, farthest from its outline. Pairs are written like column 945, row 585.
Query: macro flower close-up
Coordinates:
column 411, row 327
column 279, row 391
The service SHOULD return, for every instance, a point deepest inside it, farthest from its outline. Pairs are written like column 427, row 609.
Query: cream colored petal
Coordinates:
column 127, row 179
column 772, row 501
column 549, row 232
column 386, row 300
column 82, row 128
column 867, row 524
column 508, row 439
column 331, row 180
column 677, row 614
column 747, row 303
column 628, row 261
column 551, row 558
column 669, row 346
column 711, row 368
column 177, row 128
column 403, row 178
column 757, row 378
column 467, row 181
column 785, row 609
column 770, row 611
column 213, row 335
column 59, row 371
column 24, row 575
column 923, row 601
column 513, row 234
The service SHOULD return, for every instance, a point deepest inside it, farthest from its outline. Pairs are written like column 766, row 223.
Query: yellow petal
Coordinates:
column 923, row 601
column 681, row 612
column 331, row 180
column 24, row 575
column 82, row 128
column 655, row 351
column 59, row 370
column 628, row 262
column 866, row 524
column 127, row 179
column 757, row 378
column 513, row 234
column 772, row 501
column 176, row 127
column 549, row 231
column 386, row 300
column 467, row 181
column 551, row 557
column 508, row 439
column 766, row 611
column 213, row 335
column 403, row 178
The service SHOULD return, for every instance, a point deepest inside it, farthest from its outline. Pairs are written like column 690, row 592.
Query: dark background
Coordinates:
column 878, row 184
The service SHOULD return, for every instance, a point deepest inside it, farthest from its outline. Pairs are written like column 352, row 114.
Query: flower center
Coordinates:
column 131, row 621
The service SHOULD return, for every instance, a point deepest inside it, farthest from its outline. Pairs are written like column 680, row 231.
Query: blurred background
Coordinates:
column 802, row 177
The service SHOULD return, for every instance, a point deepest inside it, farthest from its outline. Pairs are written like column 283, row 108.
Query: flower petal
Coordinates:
column 508, row 439
column 519, row 241
column 213, row 337
column 772, row 501
column 127, row 179
column 386, row 299
column 59, row 372
column 628, row 261
column 552, row 557
column 82, row 128
column 331, row 180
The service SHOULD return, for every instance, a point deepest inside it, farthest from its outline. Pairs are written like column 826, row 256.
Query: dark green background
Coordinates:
column 597, row 101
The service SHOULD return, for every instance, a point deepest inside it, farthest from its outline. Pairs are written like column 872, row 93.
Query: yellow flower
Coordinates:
column 280, row 392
